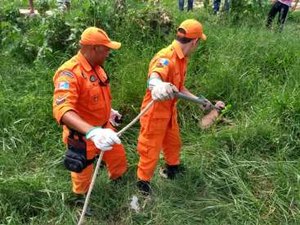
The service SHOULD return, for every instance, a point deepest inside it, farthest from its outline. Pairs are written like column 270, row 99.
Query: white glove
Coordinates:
column 103, row 138
column 163, row 91
column 114, row 115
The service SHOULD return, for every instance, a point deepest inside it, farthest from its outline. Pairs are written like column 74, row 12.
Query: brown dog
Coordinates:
column 212, row 116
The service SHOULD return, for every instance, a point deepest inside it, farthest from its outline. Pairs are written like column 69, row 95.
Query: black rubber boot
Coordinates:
column 144, row 187
column 170, row 172
column 77, row 201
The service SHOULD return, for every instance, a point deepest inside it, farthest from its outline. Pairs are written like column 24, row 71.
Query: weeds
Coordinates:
column 244, row 174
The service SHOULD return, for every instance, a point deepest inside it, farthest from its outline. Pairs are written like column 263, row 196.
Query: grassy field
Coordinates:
column 246, row 173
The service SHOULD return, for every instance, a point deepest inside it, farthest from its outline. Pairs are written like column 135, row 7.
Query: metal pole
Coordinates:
column 201, row 101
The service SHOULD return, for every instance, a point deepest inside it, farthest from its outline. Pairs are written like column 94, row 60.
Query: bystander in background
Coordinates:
column 217, row 3
column 189, row 6
column 282, row 8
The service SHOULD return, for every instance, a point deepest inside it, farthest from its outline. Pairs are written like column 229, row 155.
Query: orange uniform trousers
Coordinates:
column 157, row 134
column 116, row 164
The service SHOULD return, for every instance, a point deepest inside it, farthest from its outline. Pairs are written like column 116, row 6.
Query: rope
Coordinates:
column 86, row 202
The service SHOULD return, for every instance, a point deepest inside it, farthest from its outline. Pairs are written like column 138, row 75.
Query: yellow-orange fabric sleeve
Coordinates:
column 65, row 95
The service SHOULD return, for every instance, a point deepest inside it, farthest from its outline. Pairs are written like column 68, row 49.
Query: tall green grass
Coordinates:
column 247, row 173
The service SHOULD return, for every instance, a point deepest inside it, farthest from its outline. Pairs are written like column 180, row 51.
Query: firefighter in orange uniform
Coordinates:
column 159, row 127
column 82, row 104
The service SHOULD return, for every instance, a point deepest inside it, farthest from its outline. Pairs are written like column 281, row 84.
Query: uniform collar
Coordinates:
column 87, row 67
column 178, row 49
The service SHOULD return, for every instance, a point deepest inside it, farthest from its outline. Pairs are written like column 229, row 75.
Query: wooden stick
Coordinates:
column 86, row 202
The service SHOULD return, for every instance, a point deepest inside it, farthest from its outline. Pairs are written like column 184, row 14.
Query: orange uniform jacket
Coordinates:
column 159, row 128
column 84, row 90
column 170, row 64
column 77, row 88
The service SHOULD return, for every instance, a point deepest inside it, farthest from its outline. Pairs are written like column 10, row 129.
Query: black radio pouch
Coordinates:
column 76, row 158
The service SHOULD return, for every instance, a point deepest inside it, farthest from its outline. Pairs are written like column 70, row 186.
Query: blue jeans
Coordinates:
column 190, row 4
column 217, row 5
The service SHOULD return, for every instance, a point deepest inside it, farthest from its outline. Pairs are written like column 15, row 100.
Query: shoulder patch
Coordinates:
column 60, row 100
column 66, row 73
column 63, row 85
column 162, row 62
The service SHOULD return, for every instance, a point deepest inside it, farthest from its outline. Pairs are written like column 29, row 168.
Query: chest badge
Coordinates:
column 93, row 78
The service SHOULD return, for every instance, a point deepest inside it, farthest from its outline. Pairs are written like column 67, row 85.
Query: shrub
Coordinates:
column 57, row 33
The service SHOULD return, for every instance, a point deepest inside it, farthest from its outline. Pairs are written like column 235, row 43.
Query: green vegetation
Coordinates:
column 248, row 173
